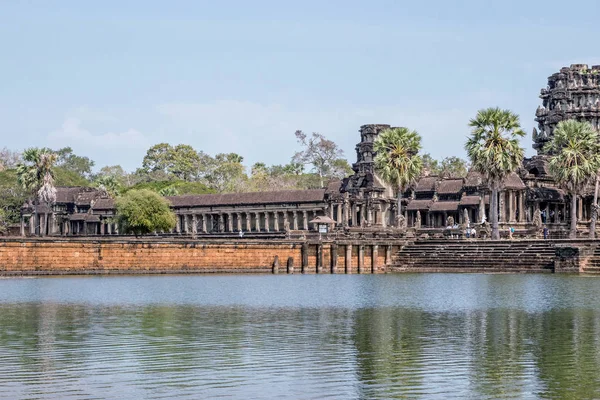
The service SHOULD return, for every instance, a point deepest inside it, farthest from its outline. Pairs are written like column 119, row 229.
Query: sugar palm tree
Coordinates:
column 397, row 159
column 35, row 175
column 494, row 151
column 574, row 160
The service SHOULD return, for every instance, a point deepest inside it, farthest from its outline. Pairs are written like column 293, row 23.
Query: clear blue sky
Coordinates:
column 111, row 78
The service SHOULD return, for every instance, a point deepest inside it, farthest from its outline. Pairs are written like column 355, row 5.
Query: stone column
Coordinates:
column 22, row 225
column 348, row 260
column 178, row 224
column 334, row 257
column 339, row 218
column 221, row 227
column 185, row 224
column 579, row 209
column 230, row 221
column 346, row 212
column 331, row 210
column 369, row 216
column 276, row 221
column 239, row 221
column 319, row 258
column 354, row 214
column 285, row 219
column 384, row 216
column 305, row 220
column 502, row 207
column 109, row 228
column 101, row 227
column 194, row 224
column 267, row 221
column 521, row 206
column 361, row 258
column 257, row 214
column 511, row 216
column 295, row 213
column 304, row 253
column 248, row 222
column 204, row 223
column 388, row 254
column 374, row 258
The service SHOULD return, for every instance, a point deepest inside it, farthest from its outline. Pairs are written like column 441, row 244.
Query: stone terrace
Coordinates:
column 475, row 256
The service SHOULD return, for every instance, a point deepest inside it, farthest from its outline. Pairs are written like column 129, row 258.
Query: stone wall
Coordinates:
column 30, row 256
column 106, row 256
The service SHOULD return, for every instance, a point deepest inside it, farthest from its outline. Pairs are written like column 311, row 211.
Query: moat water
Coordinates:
column 300, row 337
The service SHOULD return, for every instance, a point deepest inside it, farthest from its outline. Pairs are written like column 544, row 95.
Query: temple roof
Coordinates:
column 232, row 199
column 104, row 204
column 427, row 184
column 419, row 205
column 448, row 186
column 474, row 179
column 513, row 181
column 444, row 206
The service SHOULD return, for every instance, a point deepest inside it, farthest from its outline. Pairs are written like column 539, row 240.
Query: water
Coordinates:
column 300, row 337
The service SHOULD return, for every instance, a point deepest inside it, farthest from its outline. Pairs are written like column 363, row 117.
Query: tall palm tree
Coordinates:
column 574, row 160
column 36, row 176
column 397, row 159
column 494, row 151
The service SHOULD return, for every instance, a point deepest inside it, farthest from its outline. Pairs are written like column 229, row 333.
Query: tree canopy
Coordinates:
column 398, row 161
column 494, row 150
column 574, row 160
column 144, row 211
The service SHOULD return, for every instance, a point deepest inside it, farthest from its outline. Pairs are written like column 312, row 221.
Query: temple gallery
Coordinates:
column 528, row 197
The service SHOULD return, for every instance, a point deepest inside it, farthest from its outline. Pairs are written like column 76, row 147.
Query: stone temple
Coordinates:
column 362, row 204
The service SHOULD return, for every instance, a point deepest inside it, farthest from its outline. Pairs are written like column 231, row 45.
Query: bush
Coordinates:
column 144, row 211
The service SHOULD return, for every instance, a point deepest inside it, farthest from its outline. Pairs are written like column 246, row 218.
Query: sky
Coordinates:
column 112, row 78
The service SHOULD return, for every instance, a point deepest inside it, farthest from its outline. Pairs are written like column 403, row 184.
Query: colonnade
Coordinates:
column 247, row 221
column 359, row 213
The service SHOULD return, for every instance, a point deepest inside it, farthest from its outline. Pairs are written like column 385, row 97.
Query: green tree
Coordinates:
column 158, row 158
column 115, row 171
column 574, row 160
column 109, row 184
column 69, row 161
column 168, row 191
column 453, row 167
column 397, row 159
column 321, row 153
column 184, row 162
column 494, row 151
column 144, row 211
column 228, row 174
column 35, row 175
column 431, row 166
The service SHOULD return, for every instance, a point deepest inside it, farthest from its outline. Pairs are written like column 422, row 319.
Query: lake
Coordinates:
column 300, row 337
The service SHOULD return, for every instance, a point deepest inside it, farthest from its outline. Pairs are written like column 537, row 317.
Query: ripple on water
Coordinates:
column 433, row 336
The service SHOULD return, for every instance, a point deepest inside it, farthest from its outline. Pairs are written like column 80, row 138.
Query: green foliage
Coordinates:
column 493, row 146
column 109, row 184
column 453, row 167
column 66, row 159
column 575, row 155
column 12, row 196
column 182, row 187
column 397, row 160
column 64, row 177
column 144, row 211
column 323, row 154
column 494, row 151
column 181, row 161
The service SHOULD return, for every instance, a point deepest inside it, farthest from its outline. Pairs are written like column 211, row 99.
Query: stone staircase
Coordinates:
column 593, row 264
column 475, row 256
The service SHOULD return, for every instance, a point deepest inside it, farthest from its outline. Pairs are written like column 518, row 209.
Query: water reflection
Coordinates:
column 405, row 337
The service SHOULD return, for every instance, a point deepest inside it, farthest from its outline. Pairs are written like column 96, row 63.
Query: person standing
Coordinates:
column 546, row 233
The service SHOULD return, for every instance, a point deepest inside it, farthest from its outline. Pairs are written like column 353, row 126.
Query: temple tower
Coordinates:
column 572, row 93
